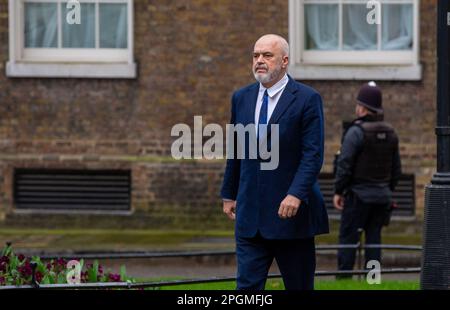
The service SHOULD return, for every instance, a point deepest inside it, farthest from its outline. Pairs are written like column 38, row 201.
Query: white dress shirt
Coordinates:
column 274, row 95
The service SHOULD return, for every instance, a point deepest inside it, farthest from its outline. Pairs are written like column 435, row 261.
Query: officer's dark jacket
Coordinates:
column 369, row 161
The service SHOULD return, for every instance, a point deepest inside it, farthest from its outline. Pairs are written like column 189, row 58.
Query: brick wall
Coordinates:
column 191, row 55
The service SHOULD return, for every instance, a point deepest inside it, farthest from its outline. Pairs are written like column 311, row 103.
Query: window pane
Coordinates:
column 41, row 25
column 397, row 25
column 82, row 35
column 113, row 25
column 322, row 26
column 358, row 34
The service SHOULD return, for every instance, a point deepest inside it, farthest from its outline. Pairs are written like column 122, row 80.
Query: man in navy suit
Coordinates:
column 278, row 212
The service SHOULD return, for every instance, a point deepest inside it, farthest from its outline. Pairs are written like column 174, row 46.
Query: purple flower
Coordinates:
column 39, row 276
column 21, row 257
column 114, row 277
column 25, row 269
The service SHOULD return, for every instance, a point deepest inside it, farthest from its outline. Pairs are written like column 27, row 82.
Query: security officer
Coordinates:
column 368, row 169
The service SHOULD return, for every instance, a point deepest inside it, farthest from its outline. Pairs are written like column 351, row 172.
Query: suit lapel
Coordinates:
column 251, row 105
column 285, row 101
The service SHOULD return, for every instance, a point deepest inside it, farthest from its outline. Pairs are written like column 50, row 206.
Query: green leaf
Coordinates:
column 41, row 267
column 13, row 262
column 14, row 273
column 46, row 280
column 51, row 277
column 103, row 279
column 123, row 273
column 7, row 250
column 61, row 279
column 93, row 272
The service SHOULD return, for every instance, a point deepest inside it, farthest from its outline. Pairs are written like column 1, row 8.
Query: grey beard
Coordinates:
column 268, row 77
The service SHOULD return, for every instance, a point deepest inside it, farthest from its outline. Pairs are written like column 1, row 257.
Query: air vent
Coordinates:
column 72, row 189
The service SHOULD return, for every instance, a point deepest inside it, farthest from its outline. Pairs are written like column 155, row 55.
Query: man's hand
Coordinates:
column 229, row 208
column 338, row 202
column 289, row 207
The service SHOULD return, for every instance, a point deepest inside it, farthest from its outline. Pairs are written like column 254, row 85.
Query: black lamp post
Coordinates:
column 436, row 238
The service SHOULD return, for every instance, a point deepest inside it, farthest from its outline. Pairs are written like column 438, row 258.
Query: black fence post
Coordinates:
column 436, row 235
column 34, row 283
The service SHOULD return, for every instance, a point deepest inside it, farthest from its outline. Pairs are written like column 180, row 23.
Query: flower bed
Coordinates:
column 18, row 270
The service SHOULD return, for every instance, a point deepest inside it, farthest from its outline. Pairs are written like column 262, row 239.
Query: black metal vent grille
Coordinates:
column 46, row 189
column 404, row 195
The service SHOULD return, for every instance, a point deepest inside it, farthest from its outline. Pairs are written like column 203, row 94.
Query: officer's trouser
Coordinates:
column 369, row 217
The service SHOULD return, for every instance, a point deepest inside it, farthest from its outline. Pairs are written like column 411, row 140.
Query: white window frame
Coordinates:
column 67, row 62
column 351, row 65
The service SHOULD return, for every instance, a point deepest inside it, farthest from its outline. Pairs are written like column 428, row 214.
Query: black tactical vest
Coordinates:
column 374, row 163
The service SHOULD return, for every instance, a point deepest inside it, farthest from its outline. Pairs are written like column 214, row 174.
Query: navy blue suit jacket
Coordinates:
column 259, row 193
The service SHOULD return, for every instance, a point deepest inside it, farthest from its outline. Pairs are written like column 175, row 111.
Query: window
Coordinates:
column 43, row 43
column 333, row 39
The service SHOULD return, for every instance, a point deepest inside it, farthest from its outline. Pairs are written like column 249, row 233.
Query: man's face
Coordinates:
column 360, row 110
column 269, row 64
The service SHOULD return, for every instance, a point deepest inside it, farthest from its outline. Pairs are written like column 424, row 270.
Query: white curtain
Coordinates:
column 41, row 25
column 82, row 35
column 358, row 34
column 322, row 26
column 397, row 27
column 113, row 26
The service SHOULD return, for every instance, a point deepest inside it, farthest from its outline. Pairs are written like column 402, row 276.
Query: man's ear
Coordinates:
column 285, row 62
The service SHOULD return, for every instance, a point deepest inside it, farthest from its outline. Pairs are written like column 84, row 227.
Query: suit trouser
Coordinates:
column 369, row 217
column 296, row 259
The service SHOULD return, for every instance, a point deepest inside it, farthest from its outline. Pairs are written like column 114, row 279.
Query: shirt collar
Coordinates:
column 275, row 89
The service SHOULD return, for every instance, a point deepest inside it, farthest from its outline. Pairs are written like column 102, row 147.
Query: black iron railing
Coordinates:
column 132, row 255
